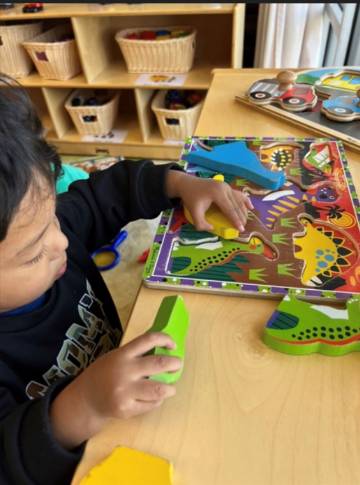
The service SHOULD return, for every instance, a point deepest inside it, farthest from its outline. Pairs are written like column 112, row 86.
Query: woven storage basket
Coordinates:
column 105, row 114
column 14, row 60
column 175, row 124
column 171, row 55
column 54, row 59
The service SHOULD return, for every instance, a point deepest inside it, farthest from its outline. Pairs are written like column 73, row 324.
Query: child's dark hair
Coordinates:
column 23, row 150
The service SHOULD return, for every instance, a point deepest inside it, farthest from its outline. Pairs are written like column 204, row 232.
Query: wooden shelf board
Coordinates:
column 155, row 139
column 35, row 80
column 63, row 10
column 116, row 76
column 130, row 125
column 133, row 137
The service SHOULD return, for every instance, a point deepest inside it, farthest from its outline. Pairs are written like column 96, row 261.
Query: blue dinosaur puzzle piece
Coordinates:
column 236, row 159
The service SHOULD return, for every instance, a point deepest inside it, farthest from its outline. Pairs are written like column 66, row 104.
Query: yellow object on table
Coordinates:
column 127, row 466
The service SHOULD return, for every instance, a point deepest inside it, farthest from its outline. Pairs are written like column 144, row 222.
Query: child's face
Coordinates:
column 32, row 256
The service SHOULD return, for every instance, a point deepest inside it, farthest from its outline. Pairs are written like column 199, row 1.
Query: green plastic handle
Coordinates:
column 172, row 318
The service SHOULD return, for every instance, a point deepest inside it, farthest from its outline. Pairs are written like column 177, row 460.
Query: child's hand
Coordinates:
column 198, row 194
column 114, row 386
column 117, row 385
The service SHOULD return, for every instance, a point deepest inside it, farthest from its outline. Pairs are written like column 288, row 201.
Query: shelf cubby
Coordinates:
column 220, row 29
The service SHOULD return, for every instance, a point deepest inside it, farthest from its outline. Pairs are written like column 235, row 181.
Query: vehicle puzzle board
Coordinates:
column 340, row 84
column 329, row 83
column 304, row 236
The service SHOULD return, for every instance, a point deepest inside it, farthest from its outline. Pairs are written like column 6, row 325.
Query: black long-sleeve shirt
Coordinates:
column 42, row 350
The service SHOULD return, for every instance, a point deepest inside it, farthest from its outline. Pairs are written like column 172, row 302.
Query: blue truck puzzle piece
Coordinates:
column 236, row 159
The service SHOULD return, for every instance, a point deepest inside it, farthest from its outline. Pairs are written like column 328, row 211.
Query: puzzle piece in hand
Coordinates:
column 342, row 108
column 298, row 327
column 221, row 225
column 132, row 467
column 236, row 159
column 172, row 318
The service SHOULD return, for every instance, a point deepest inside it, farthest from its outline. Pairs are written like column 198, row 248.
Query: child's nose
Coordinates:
column 63, row 242
column 59, row 243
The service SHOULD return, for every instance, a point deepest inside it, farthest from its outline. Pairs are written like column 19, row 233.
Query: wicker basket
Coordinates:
column 14, row 60
column 54, row 59
column 175, row 124
column 104, row 115
column 171, row 55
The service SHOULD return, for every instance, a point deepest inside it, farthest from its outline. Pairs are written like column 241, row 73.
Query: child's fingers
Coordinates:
column 247, row 201
column 141, row 345
column 150, row 365
column 198, row 215
column 240, row 207
column 229, row 207
column 243, row 201
column 150, row 391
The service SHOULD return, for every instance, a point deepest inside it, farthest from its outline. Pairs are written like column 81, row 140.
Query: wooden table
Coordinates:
column 245, row 414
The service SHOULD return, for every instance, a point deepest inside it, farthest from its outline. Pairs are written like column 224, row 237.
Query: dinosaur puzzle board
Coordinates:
column 304, row 236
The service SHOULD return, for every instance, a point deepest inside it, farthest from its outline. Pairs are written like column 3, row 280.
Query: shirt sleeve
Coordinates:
column 29, row 452
column 96, row 209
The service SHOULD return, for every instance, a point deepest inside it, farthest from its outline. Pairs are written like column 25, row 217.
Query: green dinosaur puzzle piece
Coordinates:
column 298, row 327
column 172, row 318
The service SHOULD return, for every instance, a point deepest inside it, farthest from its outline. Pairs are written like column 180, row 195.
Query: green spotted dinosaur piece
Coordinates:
column 299, row 327
column 212, row 254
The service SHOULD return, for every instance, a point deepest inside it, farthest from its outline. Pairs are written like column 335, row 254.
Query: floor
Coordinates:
column 125, row 279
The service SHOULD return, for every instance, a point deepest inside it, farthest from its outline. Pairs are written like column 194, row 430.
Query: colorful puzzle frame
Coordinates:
column 320, row 204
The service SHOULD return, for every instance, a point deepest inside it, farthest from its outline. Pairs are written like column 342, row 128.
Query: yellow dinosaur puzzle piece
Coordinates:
column 221, row 225
column 219, row 177
column 127, row 466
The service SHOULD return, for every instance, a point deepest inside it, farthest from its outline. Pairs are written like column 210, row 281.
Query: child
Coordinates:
column 62, row 374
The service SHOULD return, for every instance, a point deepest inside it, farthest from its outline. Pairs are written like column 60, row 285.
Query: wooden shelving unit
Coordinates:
column 220, row 29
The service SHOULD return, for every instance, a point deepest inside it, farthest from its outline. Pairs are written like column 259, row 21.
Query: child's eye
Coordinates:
column 37, row 258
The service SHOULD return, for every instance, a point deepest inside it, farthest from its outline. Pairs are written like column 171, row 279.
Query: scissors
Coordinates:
column 107, row 257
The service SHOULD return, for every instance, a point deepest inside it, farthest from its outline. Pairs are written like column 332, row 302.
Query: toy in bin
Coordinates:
column 181, row 99
column 33, row 7
column 162, row 34
column 97, row 100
